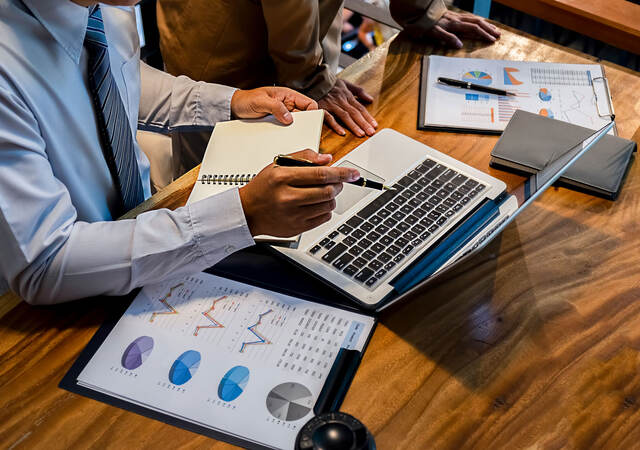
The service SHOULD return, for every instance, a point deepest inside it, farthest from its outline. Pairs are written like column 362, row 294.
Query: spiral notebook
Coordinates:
column 240, row 149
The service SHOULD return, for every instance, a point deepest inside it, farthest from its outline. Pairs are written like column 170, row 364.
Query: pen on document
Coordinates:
column 290, row 161
column 473, row 87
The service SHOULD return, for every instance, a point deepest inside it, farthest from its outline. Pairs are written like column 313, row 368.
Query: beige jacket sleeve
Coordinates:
column 295, row 31
column 417, row 16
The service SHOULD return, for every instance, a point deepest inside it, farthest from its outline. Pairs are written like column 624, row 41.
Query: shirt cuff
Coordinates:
column 214, row 103
column 435, row 11
column 220, row 227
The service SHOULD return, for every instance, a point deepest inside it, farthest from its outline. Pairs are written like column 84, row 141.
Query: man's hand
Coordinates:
column 285, row 201
column 343, row 102
column 278, row 101
column 452, row 26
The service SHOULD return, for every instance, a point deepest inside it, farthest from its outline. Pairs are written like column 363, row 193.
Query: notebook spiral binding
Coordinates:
column 236, row 179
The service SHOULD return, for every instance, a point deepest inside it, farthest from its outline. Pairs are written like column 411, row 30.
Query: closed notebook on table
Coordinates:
column 240, row 149
column 530, row 141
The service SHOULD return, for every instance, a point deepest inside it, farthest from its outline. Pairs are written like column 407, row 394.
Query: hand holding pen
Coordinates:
column 286, row 201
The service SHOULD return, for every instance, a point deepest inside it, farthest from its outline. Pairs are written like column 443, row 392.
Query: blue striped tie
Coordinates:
column 113, row 123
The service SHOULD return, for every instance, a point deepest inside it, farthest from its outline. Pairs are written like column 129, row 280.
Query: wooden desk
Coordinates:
column 538, row 345
column 615, row 22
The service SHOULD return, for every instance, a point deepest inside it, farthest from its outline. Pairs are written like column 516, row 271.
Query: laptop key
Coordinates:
column 430, row 190
column 416, row 242
column 448, row 174
column 386, row 240
column 423, row 181
column 425, row 235
column 419, row 212
column 400, row 200
column 417, row 228
column 464, row 189
column 414, row 174
column 437, row 184
column 459, row 179
column 389, row 265
column 390, row 222
column 375, row 264
column 449, row 213
column 434, row 200
column 441, row 220
column 314, row 249
column 356, row 250
column 415, row 202
column 364, row 274
column 360, row 262
column 349, row 241
column 471, row 183
column 433, row 215
column 380, row 273
column 368, row 255
column 415, row 188
column 377, row 247
column 457, row 207
column 426, row 222
column 334, row 252
column 376, row 204
column 358, row 234
column 422, row 196
column 324, row 242
column 350, row 270
column 401, row 242
column 344, row 229
column 329, row 245
column 480, row 188
column 407, row 193
column 399, row 257
column 398, row 215
column 364, row 243
column 449, row 202
column 382, row 229
column 465, row 200
column 384, row 213
column 449, row 187
column 354, row 222
column 472, row 194
column 443, row 193
column 384, row 257
column 373, row 236
column 433, row 228
column 375, row 220
column 333, row 234
column 395, row 233
column 405, row 181
column 411, row 220
column 366, row 227
column 342, row 261
column 371, row 281
column 407, row 249
column 403, row 226
column 441, row 209
column 410, row 235
column 393, row 249
column 392, row 206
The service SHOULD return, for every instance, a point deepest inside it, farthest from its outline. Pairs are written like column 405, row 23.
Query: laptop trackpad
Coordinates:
column 351, row 194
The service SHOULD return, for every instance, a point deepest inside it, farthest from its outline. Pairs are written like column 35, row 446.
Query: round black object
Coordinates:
column 334, row 431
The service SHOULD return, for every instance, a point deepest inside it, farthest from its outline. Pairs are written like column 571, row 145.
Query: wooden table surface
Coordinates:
column 615, row 22
column 536, row 345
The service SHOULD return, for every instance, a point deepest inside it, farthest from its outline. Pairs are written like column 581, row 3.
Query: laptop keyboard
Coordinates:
column 370, row 245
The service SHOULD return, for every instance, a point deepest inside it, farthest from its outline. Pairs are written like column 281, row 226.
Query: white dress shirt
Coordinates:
column 57, row 238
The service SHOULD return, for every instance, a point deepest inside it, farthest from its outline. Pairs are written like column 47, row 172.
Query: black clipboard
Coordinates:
column 279, row 277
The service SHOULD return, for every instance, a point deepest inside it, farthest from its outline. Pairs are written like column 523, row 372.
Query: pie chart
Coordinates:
column 233, row 383
column 137, row 352
column 477, row 77
column 184, row 367
column 289, row 401
column 544, row 94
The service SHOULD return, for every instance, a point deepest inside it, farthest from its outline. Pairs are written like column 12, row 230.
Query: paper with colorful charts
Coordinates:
column 560, row 91
column 225, row 355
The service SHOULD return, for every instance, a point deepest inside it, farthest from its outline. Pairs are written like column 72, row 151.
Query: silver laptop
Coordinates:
column 379, row 247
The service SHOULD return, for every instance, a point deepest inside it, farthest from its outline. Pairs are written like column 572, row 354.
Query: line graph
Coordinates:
column 214, row 322
column 261, row 339
column 165, row 302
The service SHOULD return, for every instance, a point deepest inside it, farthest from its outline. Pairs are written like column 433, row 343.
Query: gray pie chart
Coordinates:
column 289, row 401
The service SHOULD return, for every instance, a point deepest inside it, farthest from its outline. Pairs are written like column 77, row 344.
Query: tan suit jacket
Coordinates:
column 251, row 43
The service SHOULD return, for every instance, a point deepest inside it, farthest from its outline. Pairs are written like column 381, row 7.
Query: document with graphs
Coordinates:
column 574, row 93
column 225, row 355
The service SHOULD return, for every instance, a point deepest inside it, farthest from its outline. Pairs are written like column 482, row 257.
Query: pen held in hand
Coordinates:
column 290, row 161
column 471, row 86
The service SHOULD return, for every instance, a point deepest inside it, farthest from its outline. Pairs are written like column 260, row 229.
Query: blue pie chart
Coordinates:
column 233, row 383
column 185, row 367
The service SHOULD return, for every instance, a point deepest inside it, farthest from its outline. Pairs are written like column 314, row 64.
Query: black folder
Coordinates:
column 530, row 141
column 257, row 266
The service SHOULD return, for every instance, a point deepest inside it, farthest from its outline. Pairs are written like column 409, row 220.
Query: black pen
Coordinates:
column 290, row 161
column 471, row 86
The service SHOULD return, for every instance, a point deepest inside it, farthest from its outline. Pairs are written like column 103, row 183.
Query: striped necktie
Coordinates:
column 113, row 124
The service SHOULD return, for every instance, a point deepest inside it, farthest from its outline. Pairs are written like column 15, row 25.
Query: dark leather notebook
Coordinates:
column 530, row 141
